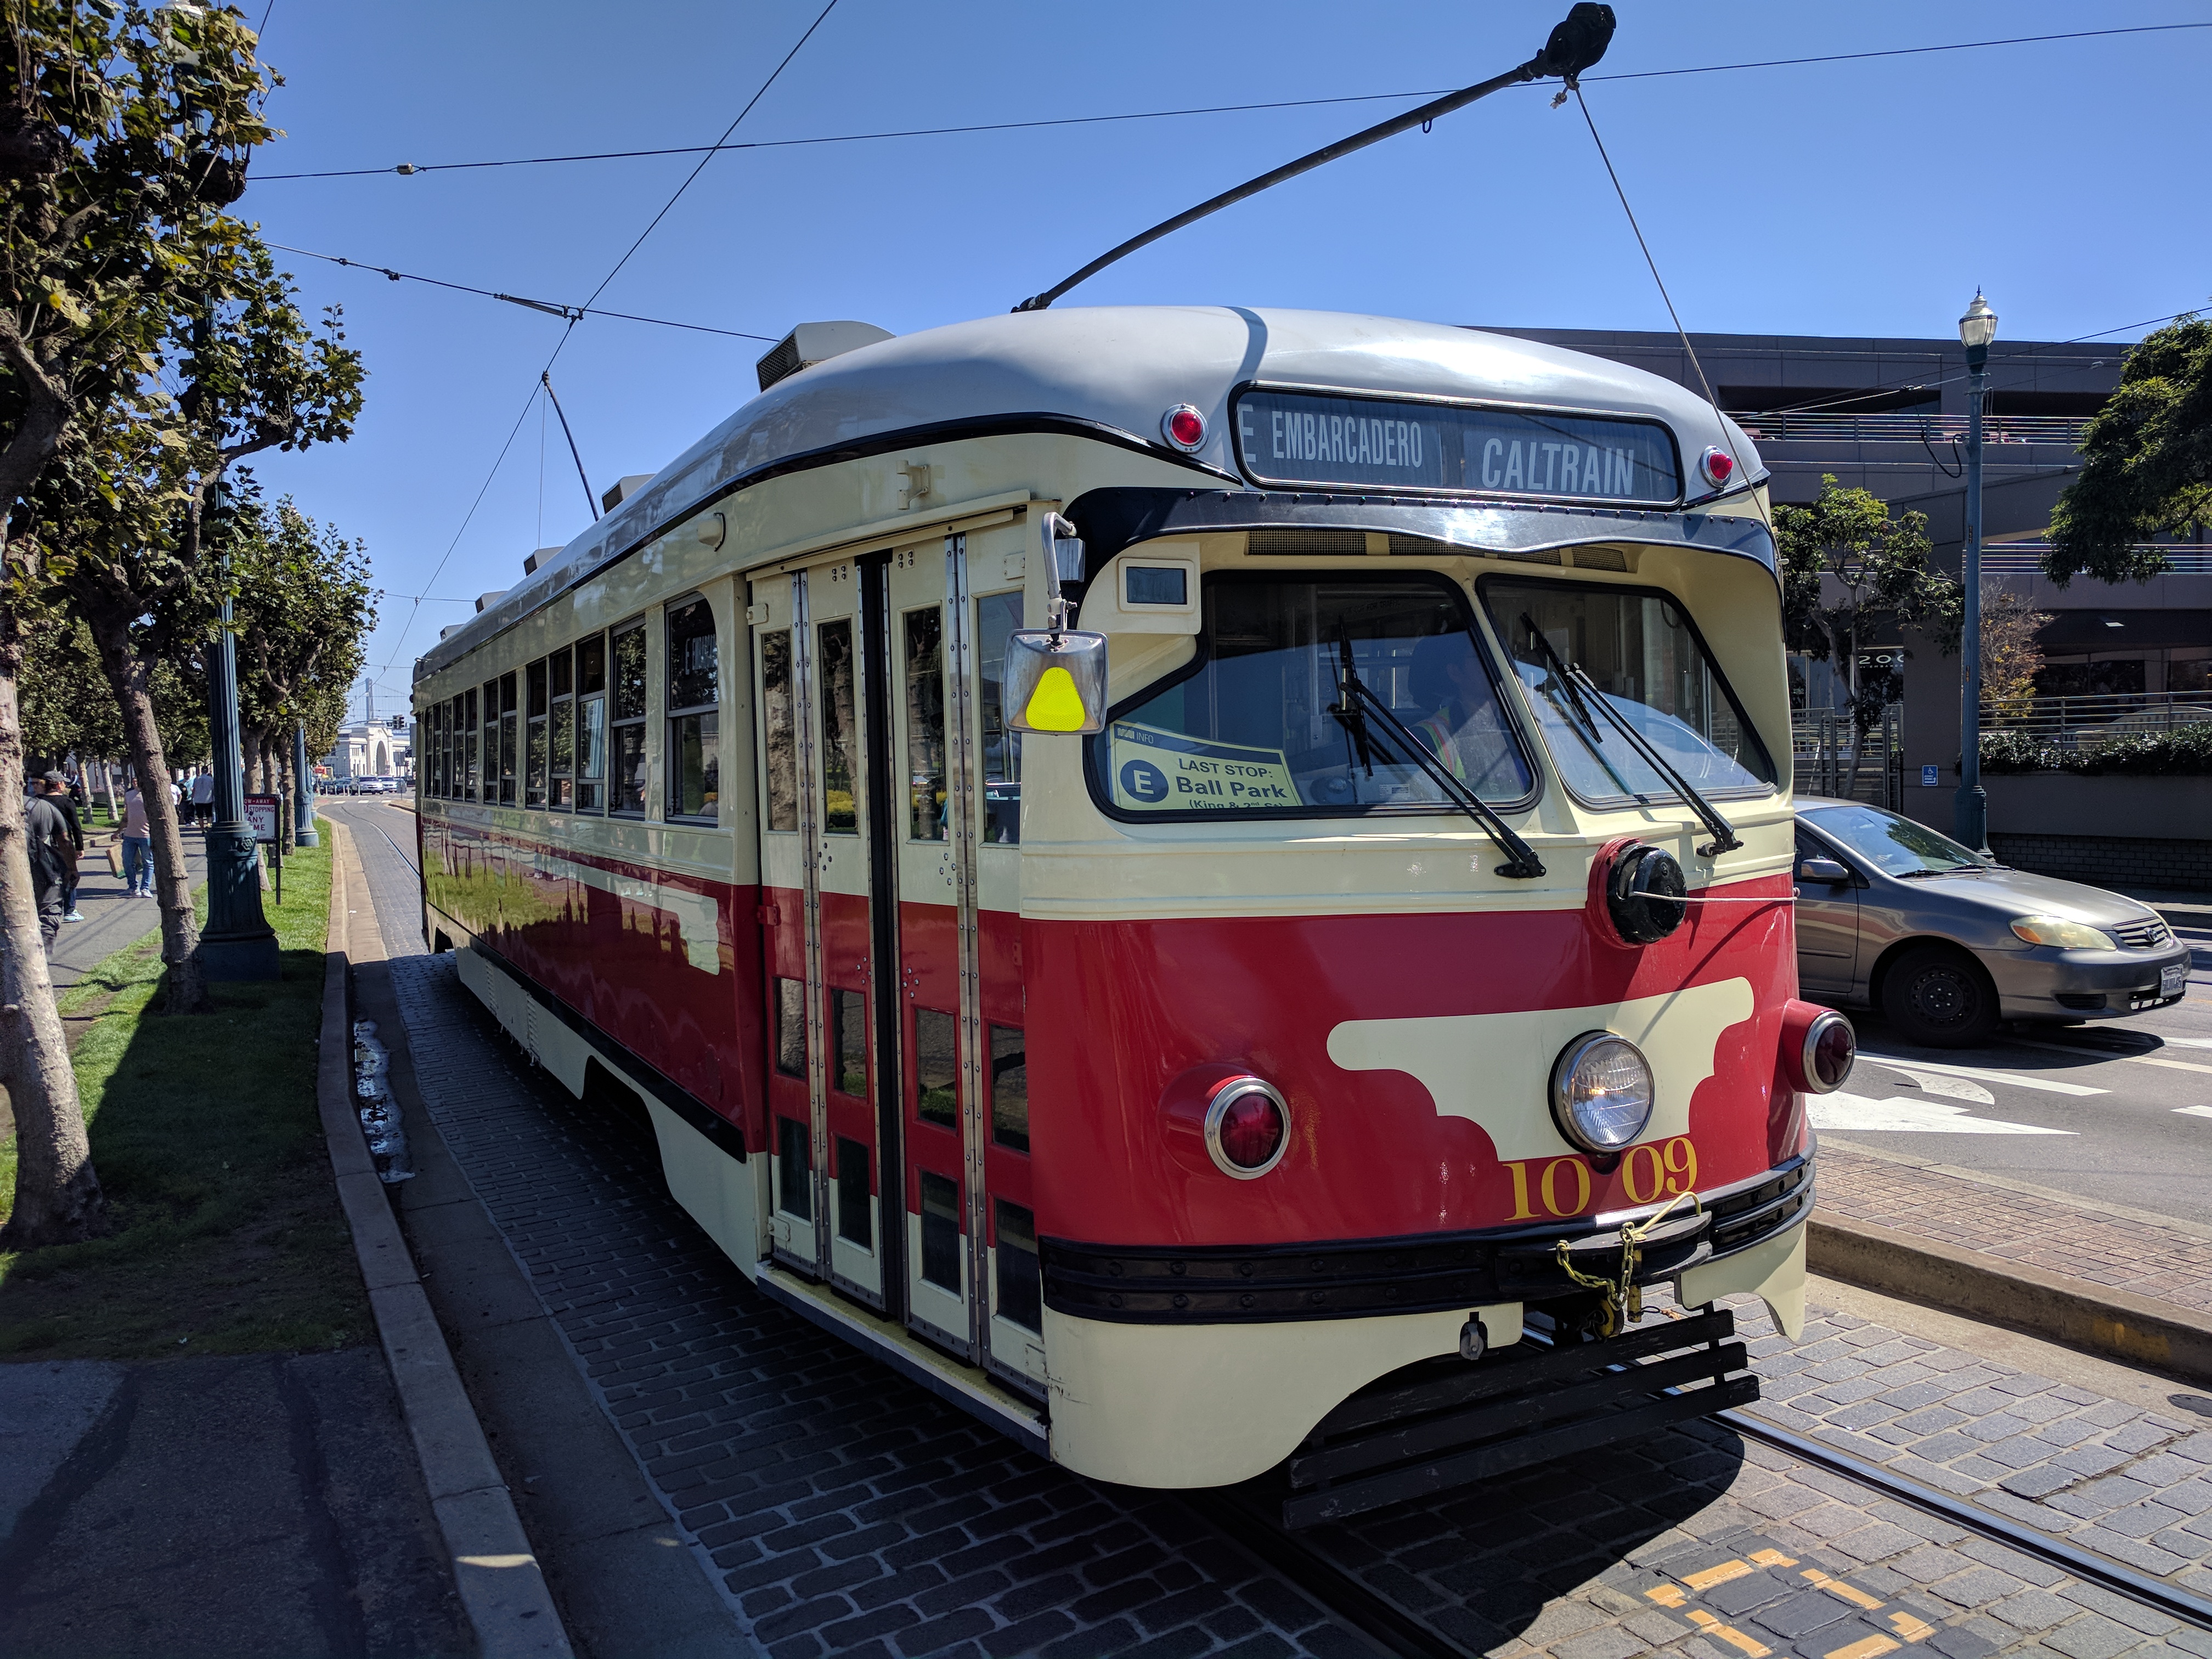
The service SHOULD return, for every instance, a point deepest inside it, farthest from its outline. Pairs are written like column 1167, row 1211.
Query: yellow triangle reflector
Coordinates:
column 1055, row 705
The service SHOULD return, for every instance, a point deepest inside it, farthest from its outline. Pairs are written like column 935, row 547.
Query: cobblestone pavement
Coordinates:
column 846, row 1511
column 2083, row 1242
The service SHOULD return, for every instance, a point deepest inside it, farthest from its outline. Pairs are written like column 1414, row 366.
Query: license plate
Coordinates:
column 2172, row 981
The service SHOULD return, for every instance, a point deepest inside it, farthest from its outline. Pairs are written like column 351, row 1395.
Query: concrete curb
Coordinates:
column 2096, row 1317
column 495, row 1569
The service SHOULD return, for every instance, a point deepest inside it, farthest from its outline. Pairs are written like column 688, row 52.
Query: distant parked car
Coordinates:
column 1946, row 943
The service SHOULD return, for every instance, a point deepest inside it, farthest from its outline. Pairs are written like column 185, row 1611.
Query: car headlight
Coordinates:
column 1602, row 1091
column 2064, row 935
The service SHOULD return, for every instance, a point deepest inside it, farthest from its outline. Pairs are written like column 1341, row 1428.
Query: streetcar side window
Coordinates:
column 854, row 1222
column 534, row 744
column 1257, row 724
column 592, row 724
column 1639, row 648
column 924, row 631
column 848, row 1041
column 941, row 1232
column 510, row 716
column 935, row 1049
column 1010, row 1089
column 436, row 770
column 1020, row 1296
column 840, row 748
column 780, row 736
column 998, row 615
column 472, row 755
column 794, row 1184
column 560, row 668
column 791, row 1028
column 630, row 720
column 694, row 729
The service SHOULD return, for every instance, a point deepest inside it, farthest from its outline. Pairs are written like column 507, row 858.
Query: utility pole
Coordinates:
column 237, row 942
column 1971, row 807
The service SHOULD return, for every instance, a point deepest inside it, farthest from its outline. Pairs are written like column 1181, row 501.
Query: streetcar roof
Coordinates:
column 1114, row 370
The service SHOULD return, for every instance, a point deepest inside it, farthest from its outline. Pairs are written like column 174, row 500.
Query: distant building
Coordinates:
column 371, row 750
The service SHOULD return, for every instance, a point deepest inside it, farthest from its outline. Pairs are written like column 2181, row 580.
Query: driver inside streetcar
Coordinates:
column 1466, row 731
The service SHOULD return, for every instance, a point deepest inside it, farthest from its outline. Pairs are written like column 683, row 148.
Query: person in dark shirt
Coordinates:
column 57, row 796
column 46, row 837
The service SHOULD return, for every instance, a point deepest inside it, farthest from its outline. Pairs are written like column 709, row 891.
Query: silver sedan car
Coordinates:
column 1946, row 943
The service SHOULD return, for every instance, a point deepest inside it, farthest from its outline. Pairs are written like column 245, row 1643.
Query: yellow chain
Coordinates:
column 1613, row 1296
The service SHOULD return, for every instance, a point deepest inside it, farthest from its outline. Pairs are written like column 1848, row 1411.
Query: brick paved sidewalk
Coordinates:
column 2140, row 1256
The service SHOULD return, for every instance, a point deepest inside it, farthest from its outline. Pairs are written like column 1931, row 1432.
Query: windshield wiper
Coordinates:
column 1725, row 839
column 1354, row 706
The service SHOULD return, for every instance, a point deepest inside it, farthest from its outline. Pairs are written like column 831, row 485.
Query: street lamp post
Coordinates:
column 1971, row 818
column 303, row 790
column 237, row 942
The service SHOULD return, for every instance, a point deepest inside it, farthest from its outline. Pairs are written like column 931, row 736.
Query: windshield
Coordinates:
column 1894, row 846
column 1651, row 669
column 1251, row 729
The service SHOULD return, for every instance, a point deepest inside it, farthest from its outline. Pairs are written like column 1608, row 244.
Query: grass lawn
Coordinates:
column 225, row 1232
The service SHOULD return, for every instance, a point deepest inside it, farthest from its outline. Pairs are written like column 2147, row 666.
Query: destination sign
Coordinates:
column 1300, row 438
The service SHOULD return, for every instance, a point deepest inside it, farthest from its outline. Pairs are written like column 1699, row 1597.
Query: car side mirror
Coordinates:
column 1054, row 677
column 1826, row 870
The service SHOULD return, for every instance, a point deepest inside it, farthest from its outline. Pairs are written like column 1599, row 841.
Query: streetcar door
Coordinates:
column 814, row 684
column 971, row 1281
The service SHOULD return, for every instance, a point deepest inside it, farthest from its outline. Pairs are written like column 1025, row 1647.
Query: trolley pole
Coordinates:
column 303, row 799
column 1971, row 810
column 237, row 942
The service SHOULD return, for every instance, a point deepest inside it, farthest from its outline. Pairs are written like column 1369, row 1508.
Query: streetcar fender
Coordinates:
column 1773, row 1270
column 1182, row 1405
column 721, row 1194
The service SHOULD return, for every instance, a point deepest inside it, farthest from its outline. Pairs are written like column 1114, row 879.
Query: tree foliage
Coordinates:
column 1879, row 566
column 2012, row 650
column 2146, row 462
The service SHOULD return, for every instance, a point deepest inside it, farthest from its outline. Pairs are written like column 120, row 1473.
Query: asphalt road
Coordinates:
column 2118, row 1111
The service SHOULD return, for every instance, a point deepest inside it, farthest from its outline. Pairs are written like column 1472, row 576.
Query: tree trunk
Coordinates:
column 57, row 1197
column 287, row 793
column 130, row 677
column 114, row 807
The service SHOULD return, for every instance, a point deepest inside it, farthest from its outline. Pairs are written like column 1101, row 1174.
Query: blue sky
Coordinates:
column 2066, row 179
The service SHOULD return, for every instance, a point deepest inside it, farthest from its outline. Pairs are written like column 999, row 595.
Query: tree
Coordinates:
column 303, row 608
column 2012, row 651
column 123, row 133
column 2146, row 462
column 1880, row 565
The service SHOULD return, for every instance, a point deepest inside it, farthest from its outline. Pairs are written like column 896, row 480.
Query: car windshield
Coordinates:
column 1651, row 669
column 1894, row 846
column 1254, row 727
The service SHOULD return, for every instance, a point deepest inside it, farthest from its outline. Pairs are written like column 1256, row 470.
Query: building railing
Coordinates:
column 2081, row 722
column 1828, row 759
column 1818, row 426
column 2026, row 558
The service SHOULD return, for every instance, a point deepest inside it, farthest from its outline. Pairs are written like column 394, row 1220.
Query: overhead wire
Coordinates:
column 550, row 308
column 585, row 310
column 411, row 168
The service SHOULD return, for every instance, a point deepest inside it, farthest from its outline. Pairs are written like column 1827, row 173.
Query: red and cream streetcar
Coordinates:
column 1296, row 1048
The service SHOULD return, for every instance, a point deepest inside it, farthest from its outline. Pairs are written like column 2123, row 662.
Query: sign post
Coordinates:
column 264, row 812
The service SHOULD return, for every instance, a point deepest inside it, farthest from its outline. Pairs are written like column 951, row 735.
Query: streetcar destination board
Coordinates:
column 1306, row 438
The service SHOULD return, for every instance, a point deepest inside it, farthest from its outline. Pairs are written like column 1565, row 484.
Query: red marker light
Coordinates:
column 1251, row 1130
column 1184, row 426
column 1719, row 468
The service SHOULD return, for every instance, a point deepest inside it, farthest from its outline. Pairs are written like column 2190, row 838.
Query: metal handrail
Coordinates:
column 1776, row 425
column 2008, row 558
column 2070, row 722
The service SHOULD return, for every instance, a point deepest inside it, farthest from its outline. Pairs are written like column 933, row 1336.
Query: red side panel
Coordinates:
column 1122, row 1008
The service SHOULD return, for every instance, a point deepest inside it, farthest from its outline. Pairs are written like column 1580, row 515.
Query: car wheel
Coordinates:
column 1939, row 996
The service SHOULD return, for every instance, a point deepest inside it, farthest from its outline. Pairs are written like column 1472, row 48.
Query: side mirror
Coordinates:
column 1054, row 678
column 1823, row 870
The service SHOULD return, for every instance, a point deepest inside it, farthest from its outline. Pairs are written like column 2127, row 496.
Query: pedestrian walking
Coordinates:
column 203, row 798
column 45, row 833
column 57, row 797
column 138, row 846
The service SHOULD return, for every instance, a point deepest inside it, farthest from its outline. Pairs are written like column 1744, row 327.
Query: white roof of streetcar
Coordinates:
column 1117, row 370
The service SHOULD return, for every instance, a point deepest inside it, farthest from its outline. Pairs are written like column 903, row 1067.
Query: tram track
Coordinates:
column 1397, row 1629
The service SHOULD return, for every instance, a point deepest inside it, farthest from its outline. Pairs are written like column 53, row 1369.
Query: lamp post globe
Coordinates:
column 1971, row 807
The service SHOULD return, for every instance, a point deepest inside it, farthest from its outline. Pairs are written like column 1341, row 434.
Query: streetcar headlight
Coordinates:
column 1247, row 1128
column 1602, row 1091
column 2058, row 931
